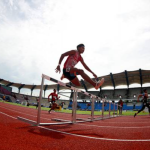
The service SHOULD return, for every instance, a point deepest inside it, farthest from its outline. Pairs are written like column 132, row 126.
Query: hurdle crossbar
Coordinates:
column 74, row 120
column 76, row 90
column 69, row 86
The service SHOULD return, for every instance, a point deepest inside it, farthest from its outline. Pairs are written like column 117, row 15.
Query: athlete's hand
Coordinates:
column 58, row 69
column 58, row 97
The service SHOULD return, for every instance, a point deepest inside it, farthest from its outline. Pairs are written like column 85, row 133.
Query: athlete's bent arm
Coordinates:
column 48, row 97
column 139, row 97
column 69, row 53
column 145, row 94
column 87, row 68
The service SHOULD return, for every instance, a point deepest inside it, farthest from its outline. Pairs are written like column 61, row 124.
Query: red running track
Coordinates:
column 125, row 133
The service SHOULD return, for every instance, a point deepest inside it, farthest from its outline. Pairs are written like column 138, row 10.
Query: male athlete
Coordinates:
column 53, row 100
column 145, row 103
column 69, row 70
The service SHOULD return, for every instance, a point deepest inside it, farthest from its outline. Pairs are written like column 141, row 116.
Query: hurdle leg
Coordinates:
column 109, row 108
column 103, row 110
column 74, row 106
column 117, row 109
column 92, row 110
column 114, row 110
column 40, row 99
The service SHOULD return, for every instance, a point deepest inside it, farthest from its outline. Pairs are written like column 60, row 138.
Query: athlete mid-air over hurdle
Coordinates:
column 70, row 72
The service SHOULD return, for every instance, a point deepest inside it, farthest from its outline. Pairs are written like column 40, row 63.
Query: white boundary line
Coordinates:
column 88, row 137
column 81, row 124
column 96, row 138
column 22, row 113
column 117, row 127
column 8, row 115
column 26, row 113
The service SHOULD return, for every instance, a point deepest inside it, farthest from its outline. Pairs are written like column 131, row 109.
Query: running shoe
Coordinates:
column 99, row 83
column 134, row 114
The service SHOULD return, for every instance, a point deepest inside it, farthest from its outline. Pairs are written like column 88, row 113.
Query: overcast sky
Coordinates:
column 34, row 33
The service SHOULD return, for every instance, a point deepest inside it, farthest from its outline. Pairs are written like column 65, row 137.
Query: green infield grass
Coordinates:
column 124, row 113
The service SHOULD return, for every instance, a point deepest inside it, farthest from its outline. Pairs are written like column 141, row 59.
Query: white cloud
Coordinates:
column 33, row 35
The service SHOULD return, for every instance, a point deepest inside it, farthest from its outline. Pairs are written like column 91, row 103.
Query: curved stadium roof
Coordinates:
column 124, row 78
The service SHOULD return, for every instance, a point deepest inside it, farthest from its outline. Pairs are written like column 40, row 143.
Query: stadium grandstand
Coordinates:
column 128, row 94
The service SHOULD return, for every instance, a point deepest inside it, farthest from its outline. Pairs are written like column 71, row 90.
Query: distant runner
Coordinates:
column 70, row 72
column 53, row 100
column 145, row 103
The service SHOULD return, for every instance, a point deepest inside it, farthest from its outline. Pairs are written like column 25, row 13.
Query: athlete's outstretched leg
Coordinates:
column 87, row 78
column 76, row 81
column 49, row 110
column 148, row 106
column 143, row 107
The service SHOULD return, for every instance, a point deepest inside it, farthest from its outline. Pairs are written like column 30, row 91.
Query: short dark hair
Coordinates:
column 80, row 45
column 144, row 90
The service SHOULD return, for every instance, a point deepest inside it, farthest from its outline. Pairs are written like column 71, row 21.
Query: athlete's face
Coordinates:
column 81, row 49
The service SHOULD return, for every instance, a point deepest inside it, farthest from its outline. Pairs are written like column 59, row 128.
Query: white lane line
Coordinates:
column 26, row 113
column 88, row 137
column 116, row 126
column 129, row 121
column 17, row 111
column 90, row 125
column 8, row 115
column 22, row 113
column 106, row 121
column 97, row 138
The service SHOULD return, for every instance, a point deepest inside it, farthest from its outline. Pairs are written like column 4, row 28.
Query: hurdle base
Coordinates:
column 59, row 120
column 60, row 123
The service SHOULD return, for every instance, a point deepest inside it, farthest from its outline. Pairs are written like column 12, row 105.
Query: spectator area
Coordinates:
column 98, row 106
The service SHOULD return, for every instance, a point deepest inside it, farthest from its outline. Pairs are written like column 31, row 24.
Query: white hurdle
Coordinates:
column 74, row 105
